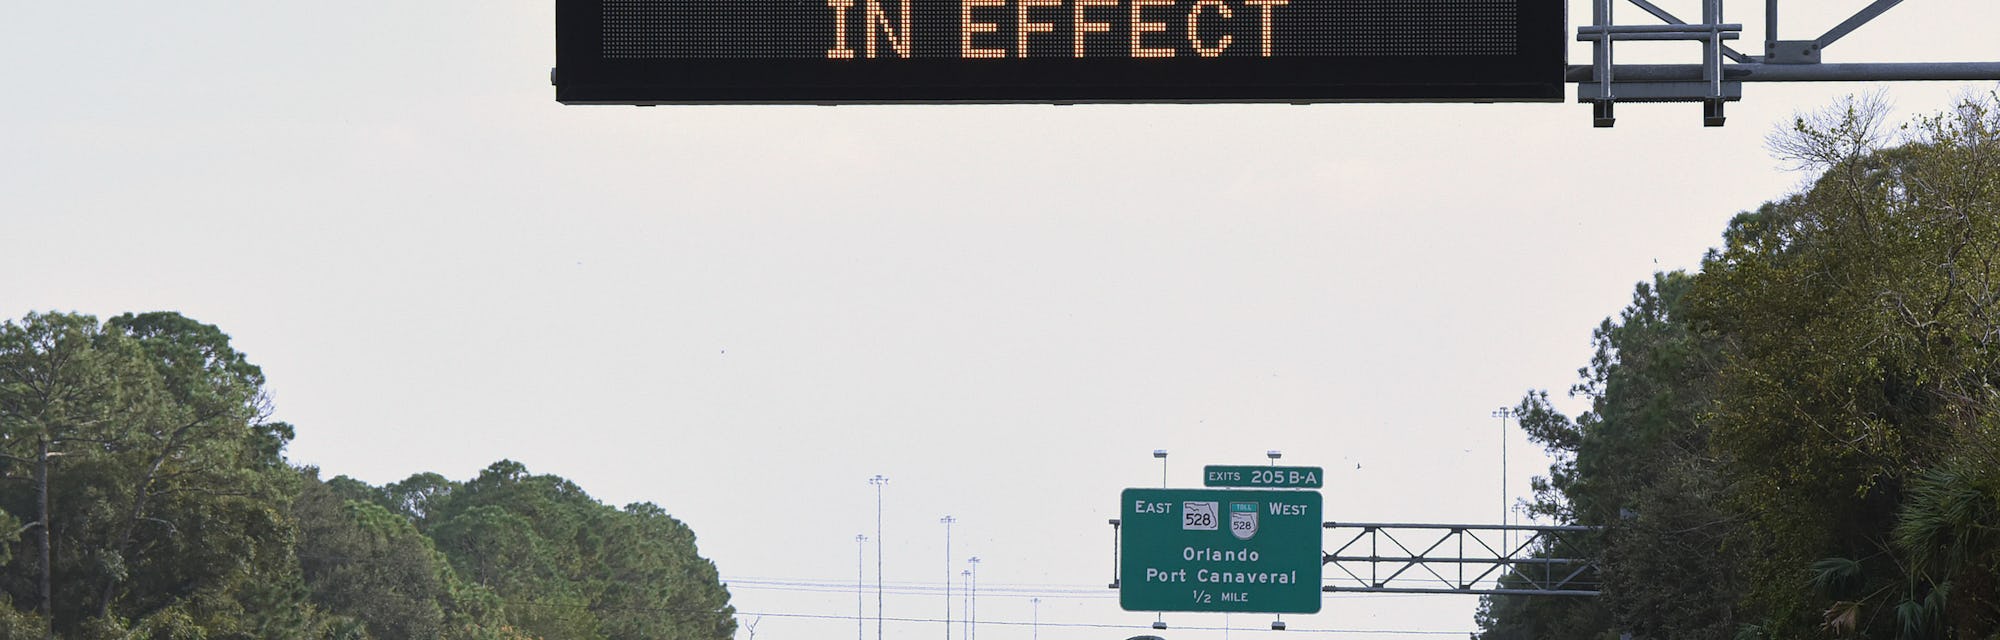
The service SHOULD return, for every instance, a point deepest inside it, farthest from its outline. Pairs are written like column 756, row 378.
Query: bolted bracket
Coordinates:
column 1793, row 52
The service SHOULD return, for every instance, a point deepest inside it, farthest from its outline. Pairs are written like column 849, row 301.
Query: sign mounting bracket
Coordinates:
column 1603, row 83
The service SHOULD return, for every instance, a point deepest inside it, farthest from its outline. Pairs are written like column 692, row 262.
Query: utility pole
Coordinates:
column 947, row 520
column 860, row 610
column 879, row 481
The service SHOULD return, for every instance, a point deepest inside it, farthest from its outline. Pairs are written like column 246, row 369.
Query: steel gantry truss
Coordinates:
column 1373, row 557
column 1714, row 82
column 1460, row 558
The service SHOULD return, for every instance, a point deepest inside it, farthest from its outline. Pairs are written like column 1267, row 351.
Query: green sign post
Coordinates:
column 1216, row 475
column 1237, row 550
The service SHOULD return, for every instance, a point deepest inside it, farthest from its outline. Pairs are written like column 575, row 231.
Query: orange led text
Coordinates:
column 995, row 29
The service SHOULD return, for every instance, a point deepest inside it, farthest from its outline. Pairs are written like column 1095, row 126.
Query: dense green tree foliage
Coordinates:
column 596, row 572
column 1802, row 440
column 1633, row 461
column 144, row 494
column 360, row 558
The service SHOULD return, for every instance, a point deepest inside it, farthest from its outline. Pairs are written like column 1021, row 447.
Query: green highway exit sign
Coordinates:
column 1215, row 475
column 1237, row 550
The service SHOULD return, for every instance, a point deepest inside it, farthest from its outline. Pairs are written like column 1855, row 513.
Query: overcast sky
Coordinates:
column 743, row 313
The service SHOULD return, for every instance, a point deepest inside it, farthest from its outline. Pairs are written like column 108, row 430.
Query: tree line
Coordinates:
column 144, row 493
column 1801, row 439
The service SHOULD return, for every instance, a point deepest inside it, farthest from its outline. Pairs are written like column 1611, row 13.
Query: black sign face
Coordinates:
column 1060, row 51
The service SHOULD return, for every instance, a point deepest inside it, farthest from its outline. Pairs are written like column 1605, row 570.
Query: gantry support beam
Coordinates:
column 1376, row 557
column 1844, row 72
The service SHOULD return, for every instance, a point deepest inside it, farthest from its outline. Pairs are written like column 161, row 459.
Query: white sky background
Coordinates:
column 743, row 313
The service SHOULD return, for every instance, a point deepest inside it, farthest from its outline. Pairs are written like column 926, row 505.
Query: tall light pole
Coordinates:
column 878, row 481
column 860, row 610
column 1038, row 617
column 973, row 613
column 1503, row 413
column 947, row 520
column 967, row 576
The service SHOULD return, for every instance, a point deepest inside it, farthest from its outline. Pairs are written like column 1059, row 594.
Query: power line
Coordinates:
column 906, row 583
column 909, row 592
column 1104, row 625
column 1013, row 590
column 585, row 607
column 914, row 589
column 1003, row 623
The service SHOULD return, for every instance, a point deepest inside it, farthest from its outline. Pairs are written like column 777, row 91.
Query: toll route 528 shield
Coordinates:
column 1243, row 519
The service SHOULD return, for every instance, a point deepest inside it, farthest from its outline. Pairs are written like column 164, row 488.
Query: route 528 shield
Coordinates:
column 1243, row 519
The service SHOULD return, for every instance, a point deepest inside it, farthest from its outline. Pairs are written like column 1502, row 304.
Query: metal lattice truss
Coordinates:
column 1459, row 558
column 1713, row 82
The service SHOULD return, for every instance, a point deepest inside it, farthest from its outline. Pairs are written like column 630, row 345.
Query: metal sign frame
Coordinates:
column 1603, row 84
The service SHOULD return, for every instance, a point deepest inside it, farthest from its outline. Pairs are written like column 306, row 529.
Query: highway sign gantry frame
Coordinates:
column 1220, row 550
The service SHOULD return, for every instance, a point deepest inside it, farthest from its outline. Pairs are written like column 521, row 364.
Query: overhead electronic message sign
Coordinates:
column 1220, row 550
column 1060, row 51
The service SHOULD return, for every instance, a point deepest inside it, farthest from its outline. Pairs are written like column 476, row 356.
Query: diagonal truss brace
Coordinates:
column 1669, row 18
column 1848, row 26
column 1808, row 51
column 1459, row 558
